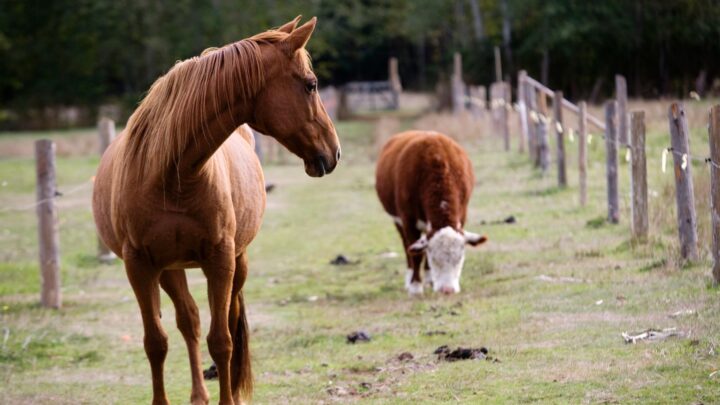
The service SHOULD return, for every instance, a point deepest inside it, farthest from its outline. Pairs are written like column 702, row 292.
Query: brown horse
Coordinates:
column 176, row 190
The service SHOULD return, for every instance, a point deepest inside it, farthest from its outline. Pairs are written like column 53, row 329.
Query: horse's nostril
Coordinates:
column 321, row 165
column 337, row 154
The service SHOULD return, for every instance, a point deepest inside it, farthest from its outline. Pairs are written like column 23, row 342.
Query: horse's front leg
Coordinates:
column 145, row 281
column 219, row 269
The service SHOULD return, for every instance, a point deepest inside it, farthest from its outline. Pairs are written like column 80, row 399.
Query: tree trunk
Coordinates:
column 477, row 20
column 507, row 36
column 545, row 67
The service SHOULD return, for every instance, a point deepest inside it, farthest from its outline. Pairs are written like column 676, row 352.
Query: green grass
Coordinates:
column 557, row 338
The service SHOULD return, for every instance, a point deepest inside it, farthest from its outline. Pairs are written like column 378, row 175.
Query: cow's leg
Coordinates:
column 406, row 244
column 409, row 268
column 428, row 272
column 144, row 279
column 187, row 317
column 219, row 269
column 413, row 278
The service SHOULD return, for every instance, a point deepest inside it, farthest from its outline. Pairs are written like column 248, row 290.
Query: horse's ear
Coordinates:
column 299, row 37
column 290, row 26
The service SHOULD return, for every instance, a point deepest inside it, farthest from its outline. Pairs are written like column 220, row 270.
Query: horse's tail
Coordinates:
column 241, row 369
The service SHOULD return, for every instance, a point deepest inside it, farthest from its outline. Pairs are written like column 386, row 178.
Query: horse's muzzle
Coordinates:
column 319, row 166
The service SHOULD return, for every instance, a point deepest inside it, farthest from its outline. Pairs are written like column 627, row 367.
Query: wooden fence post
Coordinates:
column 611, row 143
column 522, row 111
column 714, row 130
column 106, row 133
column 582, row 152
column 498, row 65
column 622, row 112
column 506, row 93
column 687, row 220
column 559, row 133
column 531, row 106
column 457, row 86
column 494, row 119
column 543, row 158
column 395, row 83
column 48, row 237
column 638, row 177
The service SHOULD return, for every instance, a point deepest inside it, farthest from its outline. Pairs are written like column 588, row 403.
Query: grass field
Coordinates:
column 548, row 296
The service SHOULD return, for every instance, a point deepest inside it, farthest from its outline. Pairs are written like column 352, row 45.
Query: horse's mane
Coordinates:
column 182, row 101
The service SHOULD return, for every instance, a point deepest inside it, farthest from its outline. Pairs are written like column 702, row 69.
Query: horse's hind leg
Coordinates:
column 240, row 367
column 187, row 317
column 219, row 268
column 145, row 283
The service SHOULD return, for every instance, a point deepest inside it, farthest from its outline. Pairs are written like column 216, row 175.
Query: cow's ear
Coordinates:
column 419, row 245
column 474, row 239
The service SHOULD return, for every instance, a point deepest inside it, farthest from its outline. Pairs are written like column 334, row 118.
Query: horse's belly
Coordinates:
column 177, row 241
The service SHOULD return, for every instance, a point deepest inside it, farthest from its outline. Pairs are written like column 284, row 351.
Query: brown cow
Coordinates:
column 424, row 180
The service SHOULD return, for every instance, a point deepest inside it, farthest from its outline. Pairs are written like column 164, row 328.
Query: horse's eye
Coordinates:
column 311, row 86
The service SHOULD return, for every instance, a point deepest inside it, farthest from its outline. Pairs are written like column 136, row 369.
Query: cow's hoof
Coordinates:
column 415, row 289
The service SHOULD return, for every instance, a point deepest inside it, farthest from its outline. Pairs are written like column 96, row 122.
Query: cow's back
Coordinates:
column 413, row 161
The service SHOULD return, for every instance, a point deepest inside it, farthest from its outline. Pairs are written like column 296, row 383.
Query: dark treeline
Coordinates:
column 87, row 52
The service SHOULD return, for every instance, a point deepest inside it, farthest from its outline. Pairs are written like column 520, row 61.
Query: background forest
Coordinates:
column 89, row 52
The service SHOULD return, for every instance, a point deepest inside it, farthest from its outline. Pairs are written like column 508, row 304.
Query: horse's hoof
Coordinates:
column 200, row 399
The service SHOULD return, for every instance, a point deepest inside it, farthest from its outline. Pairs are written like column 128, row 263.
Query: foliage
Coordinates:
column 85, row 52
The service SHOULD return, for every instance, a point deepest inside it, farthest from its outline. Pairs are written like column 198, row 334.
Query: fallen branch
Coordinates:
column 652, row 335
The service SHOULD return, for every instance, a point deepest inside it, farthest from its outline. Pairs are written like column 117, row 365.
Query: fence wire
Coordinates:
column 57, row 195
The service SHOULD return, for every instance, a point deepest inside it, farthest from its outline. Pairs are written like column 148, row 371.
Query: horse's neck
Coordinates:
column 203, row 144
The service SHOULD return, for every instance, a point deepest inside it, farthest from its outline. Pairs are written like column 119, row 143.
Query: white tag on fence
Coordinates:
column 627, row 155
column 571, row 135
column 558, row 126
column 589, row 139
column 684, row 161
column 663, row 164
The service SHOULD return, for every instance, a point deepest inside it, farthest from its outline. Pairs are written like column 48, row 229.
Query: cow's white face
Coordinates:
column 445, row 253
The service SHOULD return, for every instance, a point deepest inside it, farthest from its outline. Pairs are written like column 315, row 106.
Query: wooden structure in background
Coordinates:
column 48, row 236
column 638, row 177
column 611, row 156
column 714, row 132
column 684, row 197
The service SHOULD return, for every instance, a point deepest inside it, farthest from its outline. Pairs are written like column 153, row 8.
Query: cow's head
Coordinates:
column 445, row 252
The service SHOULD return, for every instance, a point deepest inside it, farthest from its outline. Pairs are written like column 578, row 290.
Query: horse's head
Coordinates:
column 288, row 107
